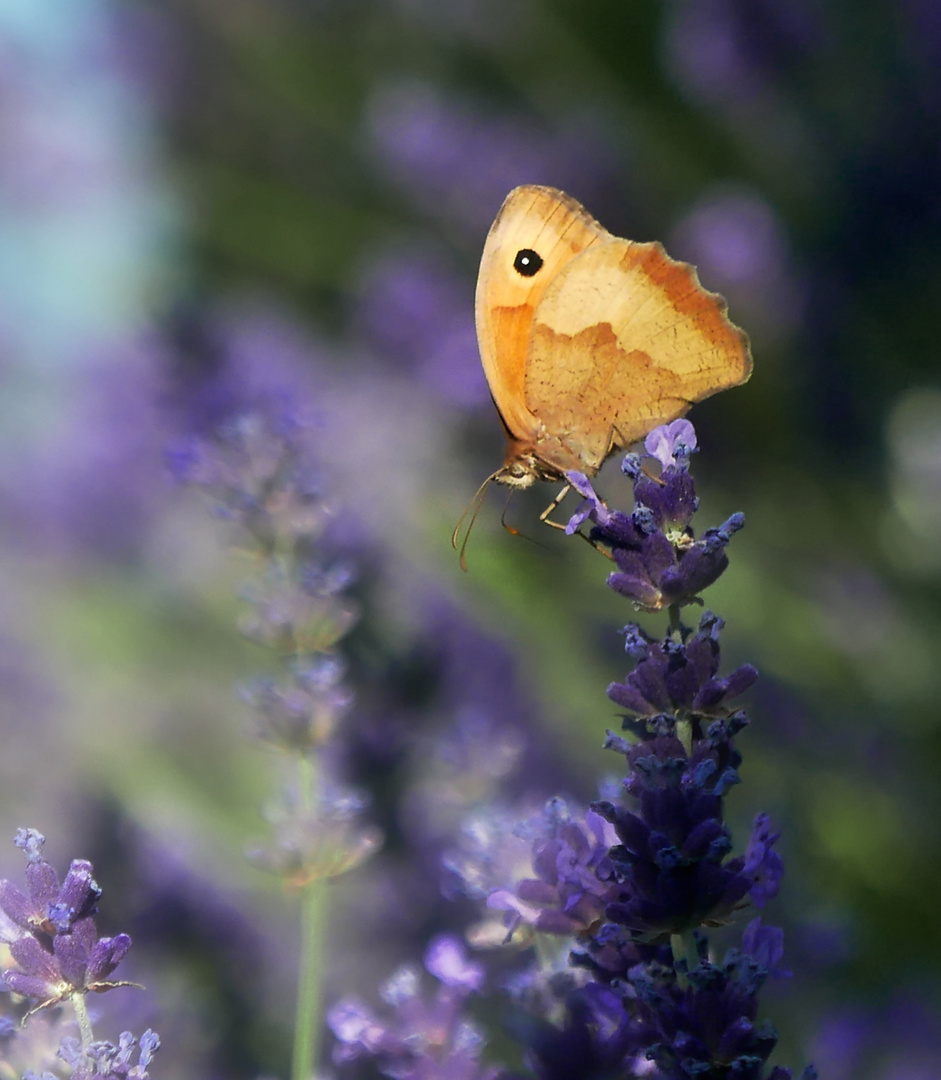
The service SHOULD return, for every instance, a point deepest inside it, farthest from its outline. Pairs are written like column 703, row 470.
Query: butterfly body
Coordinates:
column 589, row 341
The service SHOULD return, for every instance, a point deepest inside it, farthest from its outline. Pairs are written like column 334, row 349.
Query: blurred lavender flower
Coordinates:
column 727, row 52
column 740, row 61
column 413, row 307
column 322, row 840
column 107, row 1061
column 30, row 1047
column 898, row 1039
column 422, row 1039
column 259, row 472
column 570, row 891
column 91, row 485
column 459, row 163
column 738, row 242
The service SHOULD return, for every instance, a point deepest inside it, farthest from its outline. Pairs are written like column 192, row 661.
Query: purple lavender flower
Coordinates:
column 48, row 908
column 660, row 563
column 667, row 1020
column 671, row 441
column 673, row 860
column 423, row 1039
column 679, row 680
column 704, row 1023
column 656, row 1002
column 58, row 954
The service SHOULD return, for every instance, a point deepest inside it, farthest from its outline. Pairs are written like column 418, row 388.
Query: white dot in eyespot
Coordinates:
column 527, row 262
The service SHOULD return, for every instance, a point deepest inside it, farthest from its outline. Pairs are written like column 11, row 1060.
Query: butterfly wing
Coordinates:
column 553, row 229
column 623, row 339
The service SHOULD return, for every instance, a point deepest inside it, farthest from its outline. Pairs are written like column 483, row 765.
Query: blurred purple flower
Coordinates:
column 571, row 888
column 417, row 311
column 311, row 842
column 241, row 357
column 729, row 52
column 898, row 1039
column 422, row 1039
column 458, row 163
column 105, row 1061
column 489, row 852
column 92, row 485
column 259, row 469
column 739, row 244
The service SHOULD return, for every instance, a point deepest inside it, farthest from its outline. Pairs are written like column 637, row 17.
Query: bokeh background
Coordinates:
column 292, row 195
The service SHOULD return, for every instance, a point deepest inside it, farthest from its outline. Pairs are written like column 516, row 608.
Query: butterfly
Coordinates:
column 589, row 341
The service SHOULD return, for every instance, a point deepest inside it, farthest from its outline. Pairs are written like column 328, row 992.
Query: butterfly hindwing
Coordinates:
column 623, row 339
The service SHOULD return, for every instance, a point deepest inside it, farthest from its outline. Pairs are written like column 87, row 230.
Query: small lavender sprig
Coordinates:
column 59, row 958
column 418, row 1038
column 259, row 472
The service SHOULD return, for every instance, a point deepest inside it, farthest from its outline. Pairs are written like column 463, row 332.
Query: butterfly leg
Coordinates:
column 544, row 516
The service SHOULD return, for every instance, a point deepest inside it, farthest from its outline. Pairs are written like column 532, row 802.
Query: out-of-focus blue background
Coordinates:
column 295, row 193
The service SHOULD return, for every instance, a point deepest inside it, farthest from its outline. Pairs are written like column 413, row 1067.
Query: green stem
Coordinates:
column 684, row 732
column 81, row 1015
column 308, row 1021
column 684, row 948
column 309, row 983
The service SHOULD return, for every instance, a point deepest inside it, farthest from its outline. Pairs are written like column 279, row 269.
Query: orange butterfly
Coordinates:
column 589, row 341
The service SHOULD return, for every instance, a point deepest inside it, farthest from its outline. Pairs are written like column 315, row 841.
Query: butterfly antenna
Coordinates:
column 472, row 508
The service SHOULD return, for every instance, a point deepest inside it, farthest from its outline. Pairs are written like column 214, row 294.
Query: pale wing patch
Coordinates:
column 557, row 228
column 624, row 339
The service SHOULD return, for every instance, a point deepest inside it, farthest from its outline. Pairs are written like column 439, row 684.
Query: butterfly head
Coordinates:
column 523, row 467
column 520, row 473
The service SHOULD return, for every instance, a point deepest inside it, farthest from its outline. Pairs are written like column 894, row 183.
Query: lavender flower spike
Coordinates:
column 652, row 1000
column 660, row 562
column 58, row 952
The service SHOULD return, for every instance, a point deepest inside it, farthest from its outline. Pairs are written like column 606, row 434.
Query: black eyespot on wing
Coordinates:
column 527, row 262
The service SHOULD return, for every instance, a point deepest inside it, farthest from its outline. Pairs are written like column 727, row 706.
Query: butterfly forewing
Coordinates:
column 537, row 232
